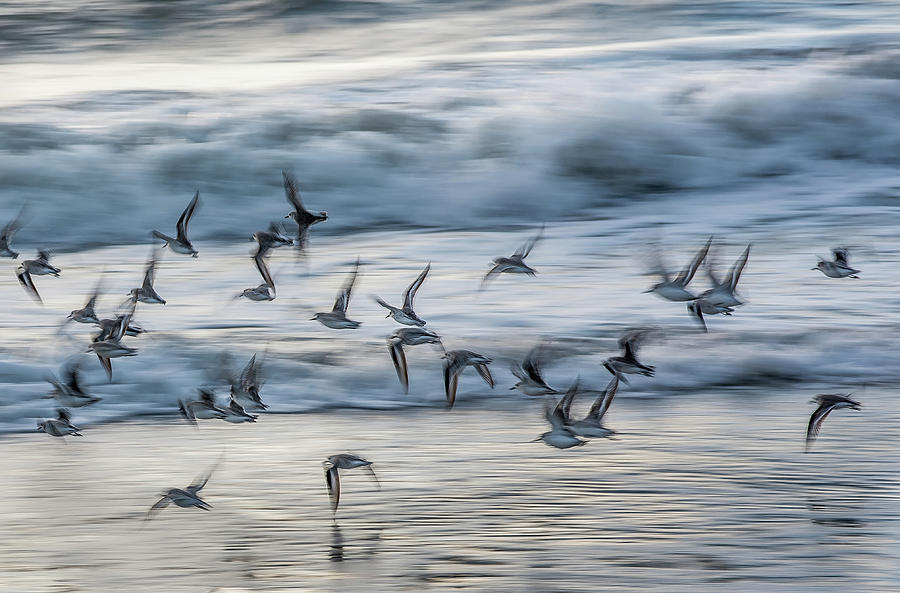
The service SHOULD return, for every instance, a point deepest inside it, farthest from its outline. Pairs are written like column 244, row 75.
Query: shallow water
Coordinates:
column 695, row 493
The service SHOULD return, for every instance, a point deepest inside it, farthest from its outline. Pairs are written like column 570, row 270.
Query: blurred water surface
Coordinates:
column 448, row 132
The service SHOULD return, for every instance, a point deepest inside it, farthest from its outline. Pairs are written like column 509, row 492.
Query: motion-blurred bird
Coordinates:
column 86, row 314
column 514, row 264
column 409, row 336
column 722, row 294
column 676, row 289
column 180, row 243
column 839, row 268
column 303, row 217
column 455, row 361
column 184, row 498
column 67, row 390
column 827, row 402
column 559, row 435
column 7, row 233
column 146, row 293
column 337, row 318
column 333, row 480
column 204, row 408
column 628, row 364
column 36, row 267
column 592, row 424
column 531, row 380
column 107, row 344
column 261, row 293
column 245, row 387
column 700, row 307
column 60, row 426
column 406, row 315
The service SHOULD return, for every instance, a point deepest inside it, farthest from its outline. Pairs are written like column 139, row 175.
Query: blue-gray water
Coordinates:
column 448, row 132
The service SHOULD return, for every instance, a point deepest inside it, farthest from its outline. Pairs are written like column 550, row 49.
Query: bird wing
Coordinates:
column 815, row 422
column 263, row 268
column 410, row 293
column 841, row 255
column 602, row 403
column 565, row 404
column 343, row 297
column 333, row 482
column 291, row 191
column 485, row 373
column 734, row 274
column 399, row 359
column 371, row 471
column 157, row 506
column 198, row 484
column 452, row 368
column 533, row 362
column 182, row 225
column 523, row 251
column 685, row 276
column 26, row 281
column 149, row 274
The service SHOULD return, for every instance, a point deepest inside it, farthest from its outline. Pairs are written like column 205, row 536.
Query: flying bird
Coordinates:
column 67, row 390
column 514, row 264
column 592, row 424
column 676, row 289
column 333, row 480
column 409, row 336
column 722, row 292
column 107, row 344
column 184, row 498
column 146, row 293
column 455, row 362
column 827, row 402
column 7, row 233
column 628, row 364
column 337, row 318
column 559, row 435
column 60, row 426
column 36, row 267
column 405, row 314
column 531, row 380
column 181, row 243
column 303, row 217
column 839, row 268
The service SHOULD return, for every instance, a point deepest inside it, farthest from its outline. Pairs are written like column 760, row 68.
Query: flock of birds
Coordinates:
column 565, row 431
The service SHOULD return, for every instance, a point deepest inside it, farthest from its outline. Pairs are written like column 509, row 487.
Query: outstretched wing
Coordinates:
column 841, row 255
column 734, row 274
column 149, row 274
column 291, row 191
column 685, row 276
column 399, row 359
column 602, row 403
column 185, row 218
column 157, row 506
column 263, row 268
column 815, row 423
column 343, row 297
column 333, row 482
column 523, row 251
column 410, row 293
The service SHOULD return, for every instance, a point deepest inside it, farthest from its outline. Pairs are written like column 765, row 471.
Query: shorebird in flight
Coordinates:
column 827, row 403
column 180, row 243
column 405, row 314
